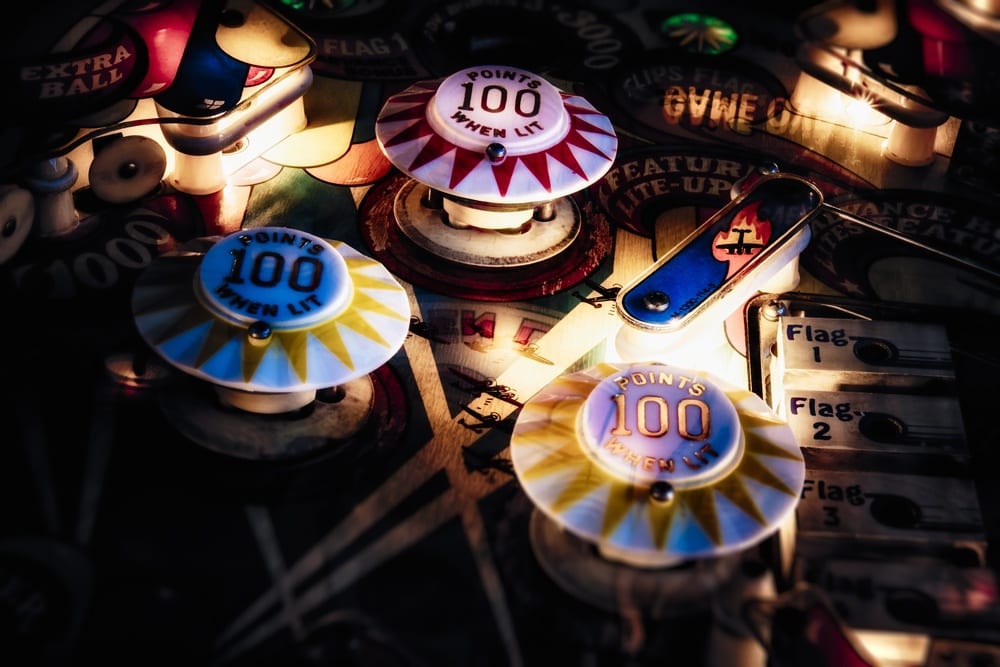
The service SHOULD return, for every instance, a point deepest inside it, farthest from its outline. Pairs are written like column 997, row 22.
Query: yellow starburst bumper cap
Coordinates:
column 657, row 464
column 273, row 310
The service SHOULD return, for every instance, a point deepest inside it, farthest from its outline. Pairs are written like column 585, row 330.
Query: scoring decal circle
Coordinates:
column 657, row 424
column 519, row 109
column 290, row 278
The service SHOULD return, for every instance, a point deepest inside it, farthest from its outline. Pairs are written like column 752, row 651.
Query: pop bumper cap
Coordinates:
column 496, row 135
column 656, row 464
column 273, row 309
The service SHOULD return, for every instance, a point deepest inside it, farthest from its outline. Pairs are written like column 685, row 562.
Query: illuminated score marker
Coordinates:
column 288, row 278
column 497, row 142
column 655, row 424
column 270, row 315
column 656, row 464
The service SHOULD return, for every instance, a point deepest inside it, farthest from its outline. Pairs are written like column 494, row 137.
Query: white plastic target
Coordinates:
column 127, row 168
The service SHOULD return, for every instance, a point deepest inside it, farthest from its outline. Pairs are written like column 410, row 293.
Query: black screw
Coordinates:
column 128, row 170
column 661, row 491
column 657, row 301
column 259, row 330
column 496, row 153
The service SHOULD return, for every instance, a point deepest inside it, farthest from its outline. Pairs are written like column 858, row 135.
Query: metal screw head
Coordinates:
column 128, row 169
column 773, row 310
column 661, row 491
column 768, row 167
column 259, row 331
column 656, row 301
column 496, row 153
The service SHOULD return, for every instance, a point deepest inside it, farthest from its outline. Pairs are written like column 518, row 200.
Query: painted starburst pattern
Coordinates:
column 575, row 161
column 732, row 511
column 362, row 337
column 699, row 33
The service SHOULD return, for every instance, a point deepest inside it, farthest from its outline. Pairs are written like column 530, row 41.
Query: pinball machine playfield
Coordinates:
column 513, row 332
